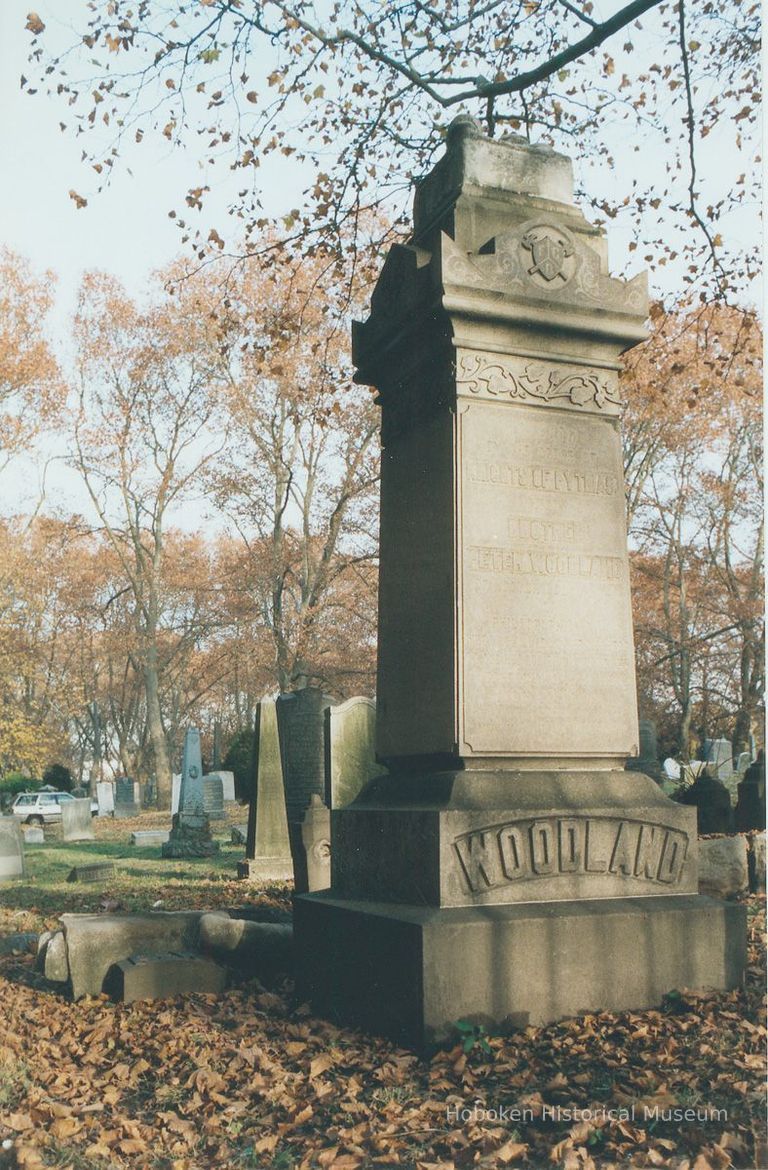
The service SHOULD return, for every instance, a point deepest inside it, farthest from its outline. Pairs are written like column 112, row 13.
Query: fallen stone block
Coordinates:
column 723, row 869
column 160, row 976
column 256, row 945
column 97, row 941
column 56, row 960
column 146, row 837
column 100, row 871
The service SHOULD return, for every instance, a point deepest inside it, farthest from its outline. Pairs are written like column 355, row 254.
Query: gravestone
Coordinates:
column 301, row 727
column 99, row 871
column 316, row 838
column 33, row 835
column 190, row 834
column 350, row 750
column 76, row 822
column 11, row 850
column 105, row 796
column 145, row 838
column 213, row 797
column 750, row 807
column 647, row 759
column 127, row 798
column 267, row 846
column 743, row 761
column 508, row 868
column 227, row 783
column 718, row 755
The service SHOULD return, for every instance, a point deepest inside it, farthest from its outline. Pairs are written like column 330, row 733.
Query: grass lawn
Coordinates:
column 251, row 1079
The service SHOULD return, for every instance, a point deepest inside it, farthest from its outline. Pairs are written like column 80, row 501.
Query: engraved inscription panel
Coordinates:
column 549, row 847
column 547, row 659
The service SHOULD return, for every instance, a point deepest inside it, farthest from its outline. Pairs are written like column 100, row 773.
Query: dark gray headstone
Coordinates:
column 750, row 807
column 301, row 727
column 191, row 792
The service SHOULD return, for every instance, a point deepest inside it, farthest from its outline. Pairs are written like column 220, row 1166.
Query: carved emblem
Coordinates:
column 549, row 249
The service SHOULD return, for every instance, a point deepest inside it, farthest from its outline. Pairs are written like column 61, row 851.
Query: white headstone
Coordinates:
column 175, row 792
column 11, row 850
column 76, row 824
column 105, row 795
column 671, row 768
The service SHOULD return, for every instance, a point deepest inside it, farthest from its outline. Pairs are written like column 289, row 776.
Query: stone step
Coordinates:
column 161, row 976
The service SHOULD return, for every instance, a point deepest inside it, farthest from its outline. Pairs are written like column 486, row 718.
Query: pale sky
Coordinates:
column 126, row 229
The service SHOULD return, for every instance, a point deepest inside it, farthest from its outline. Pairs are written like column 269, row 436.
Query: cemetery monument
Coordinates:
column 508, row 870
column 190, row 834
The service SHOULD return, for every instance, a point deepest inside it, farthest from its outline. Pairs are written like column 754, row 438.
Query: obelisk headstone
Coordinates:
column 508, row 869
column 267, row 849
column 190, row 828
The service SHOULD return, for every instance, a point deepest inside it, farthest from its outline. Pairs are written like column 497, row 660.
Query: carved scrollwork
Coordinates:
column 493, row 376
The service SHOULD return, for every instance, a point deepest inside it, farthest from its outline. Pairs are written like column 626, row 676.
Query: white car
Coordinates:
column 37, row 808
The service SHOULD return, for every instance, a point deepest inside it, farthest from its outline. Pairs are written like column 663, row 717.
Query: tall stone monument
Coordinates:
column 190, row 834
column 267, row 846
column 508, row 869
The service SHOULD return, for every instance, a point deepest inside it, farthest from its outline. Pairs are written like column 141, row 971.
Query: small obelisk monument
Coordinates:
column 508, row 869
column 190, row 834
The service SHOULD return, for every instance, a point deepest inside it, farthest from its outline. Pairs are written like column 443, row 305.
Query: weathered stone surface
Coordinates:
column 190, row 836
column 11, row 850
column 757, row 843
column 95, row 941
column 256, row 869
column 495, row 837
column 418, row 970
column 350, row 750
column 227, row 783
column 105, row 795
column 723, row 869
column 300, row 721
column 76, row 821
column 55, row 959
column 146, row 837
column 239, row 834
column 127, row 799
column 257, row 945
column 33, row 834
column 509, row 868
column 213, row 797
column 316, row 839
column 191, row 790
column 100, row 871
column 161, row 976
column 267, row 838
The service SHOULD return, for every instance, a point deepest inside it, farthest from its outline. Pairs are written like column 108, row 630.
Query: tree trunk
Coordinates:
column 163, row 777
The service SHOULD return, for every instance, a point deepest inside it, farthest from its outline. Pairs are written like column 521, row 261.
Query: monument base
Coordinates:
column 410, row 972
